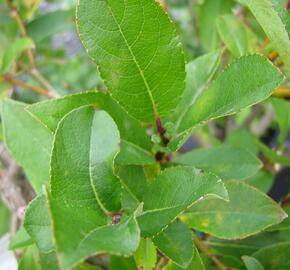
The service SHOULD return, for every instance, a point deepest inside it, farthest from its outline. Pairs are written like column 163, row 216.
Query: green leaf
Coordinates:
column 146, row 255
column 252, row 263
column 30, row 260
column 247, row 81
column 181, row 187
column 283, row 226
column 237, row 37
column 20, row 240
column 207, row 15
column 233, row 90
column 280, row 6
column 139, row 57
column 52, row 111
column 28, row 141
column 85, row 266
column 176, row 243
column 282, row 111
column 272, row 155
column 49, row 261
column 38, row 225
column 13, row 52
column 274, row 257
column 245, row 138
column 134, row 178
column 117, row 263
column 132, row 154
column 198, row 74
column 248, row 212
column 89, row 163
column 225, row 161
column 262, row 180
column 84, row 189
column 273, row 26
column 79, row 233
column 249, row 245
column 196, row 263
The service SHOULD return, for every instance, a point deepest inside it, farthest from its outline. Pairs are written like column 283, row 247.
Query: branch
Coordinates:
column 33, row 67
column 203, row 248
column 282, row 92
column 14, row 82
column 15, row 15
column 15, row 190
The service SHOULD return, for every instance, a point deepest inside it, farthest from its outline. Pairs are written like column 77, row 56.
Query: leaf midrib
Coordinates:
column 98, row 200
column 137, row 64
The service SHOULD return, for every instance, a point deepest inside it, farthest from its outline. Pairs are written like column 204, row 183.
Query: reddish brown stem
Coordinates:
column 161, row 131
column 14, row 82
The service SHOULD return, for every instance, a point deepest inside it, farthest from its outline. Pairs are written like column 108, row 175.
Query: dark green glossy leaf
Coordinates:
column 138, row 56
column 52, row 111
column 84, row 189
column 181, row 187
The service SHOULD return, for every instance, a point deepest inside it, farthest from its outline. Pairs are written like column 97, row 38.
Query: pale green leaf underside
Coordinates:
column 248, row 212
column 51, row 112
column 225, row 161
column 173, row 191
column 176, row 243
column 252, row 263
column 138, row 56
column 273, row 26
column 247, row 81
column 28, row 141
